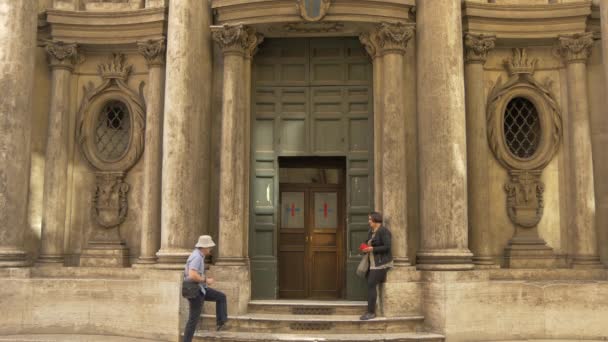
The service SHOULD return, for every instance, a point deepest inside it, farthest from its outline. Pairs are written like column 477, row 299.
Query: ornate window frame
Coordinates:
column 114, row 88
column 522, row 84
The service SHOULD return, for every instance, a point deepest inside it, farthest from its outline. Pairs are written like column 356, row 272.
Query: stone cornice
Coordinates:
column 107, row 28
column 575, row 48
column 541, row 22
column 387, row 38
column 153, row 51
column 477, row 47
column 236, row 39
column 61, row 54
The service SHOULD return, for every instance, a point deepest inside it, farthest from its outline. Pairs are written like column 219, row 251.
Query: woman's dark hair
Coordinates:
column 376, row 217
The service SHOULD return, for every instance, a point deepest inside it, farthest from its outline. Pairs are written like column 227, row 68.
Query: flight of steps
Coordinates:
column 299, row 321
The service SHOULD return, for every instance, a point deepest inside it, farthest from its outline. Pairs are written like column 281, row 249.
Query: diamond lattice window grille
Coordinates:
column 113, row 130
column 522, row 127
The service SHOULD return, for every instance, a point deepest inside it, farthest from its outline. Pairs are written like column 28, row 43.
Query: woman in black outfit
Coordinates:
column 380, row 260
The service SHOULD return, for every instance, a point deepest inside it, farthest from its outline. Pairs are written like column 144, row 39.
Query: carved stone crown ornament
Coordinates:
column 61, row 54
column 524, row 189
column 387, row 38
column 575, row 48
column 110, row 201
column 313, row 10
column 237, row 39
column 477, row 47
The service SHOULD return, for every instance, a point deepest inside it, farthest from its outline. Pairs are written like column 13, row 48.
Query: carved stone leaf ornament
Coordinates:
column 525, row 202
column 110, row 198
column 387, row 38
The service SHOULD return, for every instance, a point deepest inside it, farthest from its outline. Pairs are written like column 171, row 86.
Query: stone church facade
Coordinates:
column 477, row 127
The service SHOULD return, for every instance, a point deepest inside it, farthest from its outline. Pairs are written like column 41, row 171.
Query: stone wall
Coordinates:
column 132, row 303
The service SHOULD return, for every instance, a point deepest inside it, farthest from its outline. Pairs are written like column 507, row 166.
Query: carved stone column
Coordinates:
column 575, row 51
column 604, row 25
column 62, row 58
column 236, row 42
column 478, row 153
column 186, row 131
column 442, row 137
column 388, row 42
column 18, row 41
column 154, row 52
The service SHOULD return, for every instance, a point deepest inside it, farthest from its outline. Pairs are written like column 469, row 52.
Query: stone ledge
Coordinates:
column 70, row 338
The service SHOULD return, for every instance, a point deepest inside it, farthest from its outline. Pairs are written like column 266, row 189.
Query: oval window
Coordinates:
column 113, row 130
column 522, row 127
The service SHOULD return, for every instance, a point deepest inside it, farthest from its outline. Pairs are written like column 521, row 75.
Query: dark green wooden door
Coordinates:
column 310, row 97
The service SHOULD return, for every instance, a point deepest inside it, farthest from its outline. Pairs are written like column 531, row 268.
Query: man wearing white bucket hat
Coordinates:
column 194, row 273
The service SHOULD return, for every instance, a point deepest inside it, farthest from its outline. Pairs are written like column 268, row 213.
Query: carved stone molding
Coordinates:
column 236, row 39
column 311, row 27
column 307, row 8
column 62, row 55
column 113, row 88
column 110, row 204
column 153, row 51
column 522, row 84
column 387, row 38
column 477, row 47
column 575, row 48
column 525, row 197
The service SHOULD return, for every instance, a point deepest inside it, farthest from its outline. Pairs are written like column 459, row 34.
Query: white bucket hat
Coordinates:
column 205, row 241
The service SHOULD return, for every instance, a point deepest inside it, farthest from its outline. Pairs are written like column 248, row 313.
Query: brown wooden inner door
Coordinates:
column 311, row 241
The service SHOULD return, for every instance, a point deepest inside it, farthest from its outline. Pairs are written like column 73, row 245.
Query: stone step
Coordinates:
column 305, row 324
column 229, row 336
column 307, row 307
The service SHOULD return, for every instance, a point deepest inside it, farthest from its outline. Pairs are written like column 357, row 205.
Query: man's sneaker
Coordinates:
column 368, row 315
column 222, row 327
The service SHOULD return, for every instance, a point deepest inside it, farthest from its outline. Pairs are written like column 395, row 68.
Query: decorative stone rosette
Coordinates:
column 524, row 189
column 110, row 198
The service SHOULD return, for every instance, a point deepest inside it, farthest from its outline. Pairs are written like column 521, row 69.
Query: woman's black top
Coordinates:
column 382, row 246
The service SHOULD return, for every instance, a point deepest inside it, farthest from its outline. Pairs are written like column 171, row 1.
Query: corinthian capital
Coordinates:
column 575, row 48
column 477, row 47
column 62, row 55
column 236, row 39
column 387, row 38
column 153, row 50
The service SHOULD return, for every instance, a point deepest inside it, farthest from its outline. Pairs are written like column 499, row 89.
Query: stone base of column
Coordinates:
column 445, row 260
column 484, row 263
column 145, row 262
column 105, row 255
column 235, row 282
column 172, row 259
column 402, row 262
column 50, row 260
column 13, row 258
column 399, row 295
column 529, row 254
column 586, row 261
column 232, row 261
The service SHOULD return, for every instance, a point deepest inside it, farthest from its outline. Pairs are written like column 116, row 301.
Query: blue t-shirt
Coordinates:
column 196, row 261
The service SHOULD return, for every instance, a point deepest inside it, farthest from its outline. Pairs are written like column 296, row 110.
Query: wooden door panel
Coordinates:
column 324, row 281
column 292, row 245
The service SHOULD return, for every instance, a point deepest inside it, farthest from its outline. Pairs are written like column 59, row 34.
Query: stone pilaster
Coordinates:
column 154, row 53
column 389, row 41
column 442, row 137
column 18, row 41
column 62, row 59
column 237, row 44
column 478, row 154
column 604, row 25
column 186, row 131
column 575, row 50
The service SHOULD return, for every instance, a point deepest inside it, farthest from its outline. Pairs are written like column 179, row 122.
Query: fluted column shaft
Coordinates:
column 387, row 45
column 442, row 137
column 186, row 131
column 62, row 58
column 237, row 44
column 575, row 51
column 18, row 20
column 154, row 52
column 478, row 153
